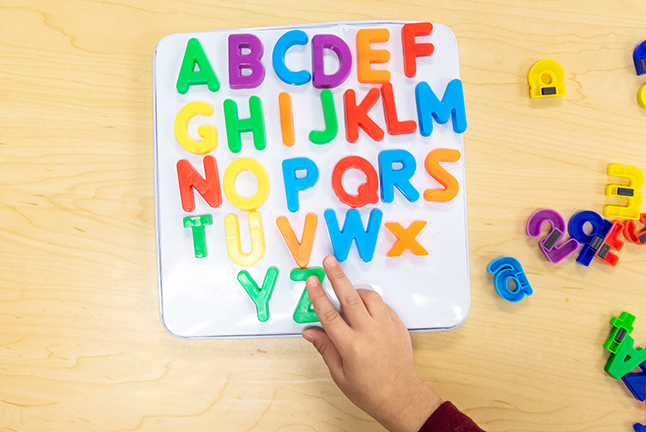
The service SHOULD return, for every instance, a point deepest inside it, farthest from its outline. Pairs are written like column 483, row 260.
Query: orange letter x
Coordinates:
column 406, row 238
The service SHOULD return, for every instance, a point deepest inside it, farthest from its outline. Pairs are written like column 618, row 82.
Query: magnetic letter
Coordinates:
column 432, row 165
column 394, row 126
column 636, row 383
column 236, row 126
column 293, row 183
column 429, row 107
column 366, row 240
column 626, row 359
column 400, row 179
column 285, row 42
column 406, row 238
column 234, row 247
column 357, row 115
column 366, row 193
column 208, row 133
column 630, row 193
column 286, row 118
column 342, row 51
column 188, row 76
column 208, row 187
column 250, row 61
column 329, row 115
column 591, row 242
column 229, row 184
column 304, row 312
column 366, row 56
column 260, row 296
column 197, row 224
column 413, row 50
column 300, row 251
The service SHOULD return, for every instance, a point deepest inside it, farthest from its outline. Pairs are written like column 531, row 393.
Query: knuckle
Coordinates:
column 353, row 299
column 330, row 316
column 373, row 295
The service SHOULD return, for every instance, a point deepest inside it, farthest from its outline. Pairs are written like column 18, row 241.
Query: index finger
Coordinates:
column 332, row 322
column 351, row 302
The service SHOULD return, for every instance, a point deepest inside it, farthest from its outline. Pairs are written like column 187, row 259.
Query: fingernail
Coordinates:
column 308, row 336
column 311, row 281
column 331, row 261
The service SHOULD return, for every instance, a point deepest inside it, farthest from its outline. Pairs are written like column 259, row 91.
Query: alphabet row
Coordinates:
column 429, row 108
column 389, row 179
column 341, row 239
column 246, row 70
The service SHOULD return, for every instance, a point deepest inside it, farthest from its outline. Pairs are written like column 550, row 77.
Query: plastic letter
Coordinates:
column 197, row 224
column 612, row 242
column 406, row 238
column 429, row 107
column 342, row 51
column 549, row 244
column 366, row 193
column 229, row 184
column 251, row 61
column 622, row 326
column 303, row 250
column 393, row 125
column 639, row 58
column 412, row 50
column 285, row 42
column 234, row 247
column 357, row 115
column 304, row 312
column 641, row 96
column 626, row 359
column 208, row 187
column 505, row 269
column 435, row 170
column 294, row 184
column 208, row 133
column 260, row 296
column 631, row 192
column 593, row 241
column 286, row 118
column 331, row 124
column 188, row 76
column 236, row 126
column 400, row 179
column 630, row 231
column 546, row 79
column 366, row 240
column 636, row 383
column 366, row 56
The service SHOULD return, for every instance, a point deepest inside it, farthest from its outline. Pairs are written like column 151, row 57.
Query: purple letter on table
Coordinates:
column 250, row 60
column 342, row 51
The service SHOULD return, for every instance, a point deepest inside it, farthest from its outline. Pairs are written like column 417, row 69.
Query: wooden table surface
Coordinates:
column 81, row 343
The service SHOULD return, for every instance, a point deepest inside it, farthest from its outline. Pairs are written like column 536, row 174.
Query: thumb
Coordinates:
column 327, row 349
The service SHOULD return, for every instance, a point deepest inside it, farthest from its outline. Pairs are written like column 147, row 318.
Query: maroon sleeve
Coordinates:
column 447, row 418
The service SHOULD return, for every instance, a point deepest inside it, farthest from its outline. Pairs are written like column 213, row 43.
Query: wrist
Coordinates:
column 413, row 408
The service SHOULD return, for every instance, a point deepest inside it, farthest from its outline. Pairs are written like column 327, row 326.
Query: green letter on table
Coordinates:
column 304, row 312
column 260, row 296
column 188, row 76
column 329, row 114
column 197, row 224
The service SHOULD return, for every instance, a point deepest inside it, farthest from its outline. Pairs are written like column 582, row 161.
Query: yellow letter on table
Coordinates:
column 229, row 184
column 630, row 193
column 208, row 133
column 234, row 248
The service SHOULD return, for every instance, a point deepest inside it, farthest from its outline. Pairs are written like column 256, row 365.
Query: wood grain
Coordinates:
column 81, row 344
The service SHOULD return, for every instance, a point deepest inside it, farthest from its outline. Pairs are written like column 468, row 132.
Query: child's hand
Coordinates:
column 371, row 356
